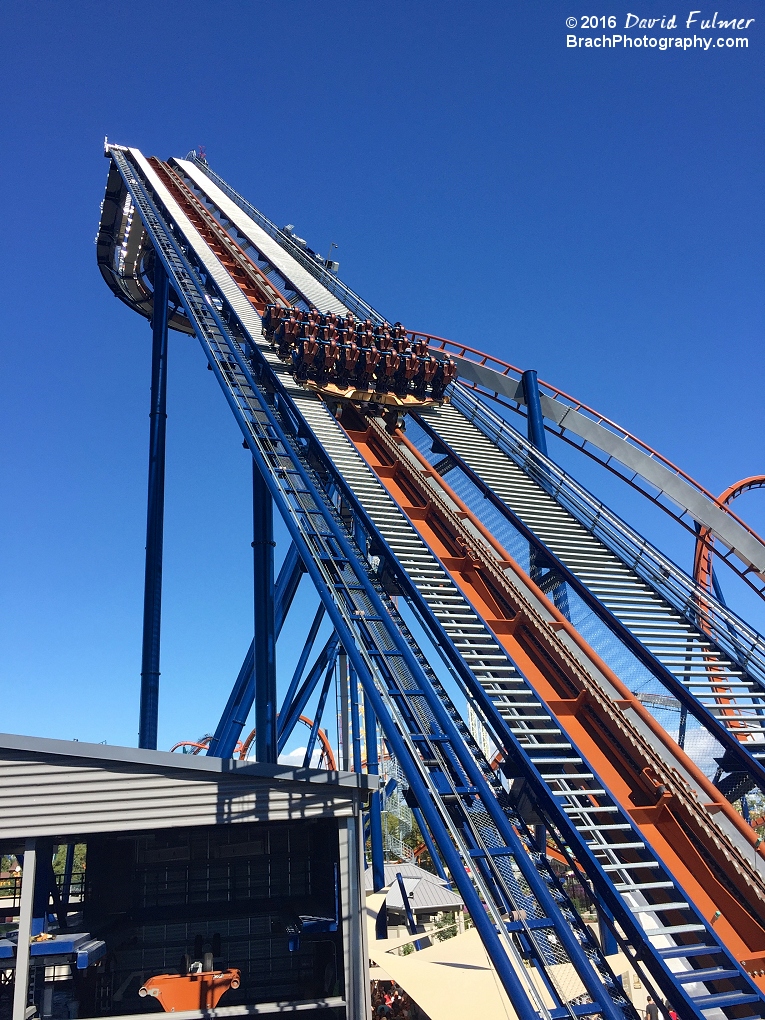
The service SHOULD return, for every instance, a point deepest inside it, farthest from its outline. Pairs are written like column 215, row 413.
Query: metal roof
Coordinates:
column 62, row 787
column 428, row 894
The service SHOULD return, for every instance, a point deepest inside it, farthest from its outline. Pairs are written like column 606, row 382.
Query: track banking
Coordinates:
column 694, row 42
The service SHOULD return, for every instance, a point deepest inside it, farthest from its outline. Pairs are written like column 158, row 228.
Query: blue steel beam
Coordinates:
column 326, row 656
column 317, row 717
column 375, row 816
column 66, row 887
column 355, row 720
column 155, row 514
column 536, row 422
column 411, row 924
column 428, row 841
column 239, row 703
column 692, row 706
column 264, row 641
column 301, row 664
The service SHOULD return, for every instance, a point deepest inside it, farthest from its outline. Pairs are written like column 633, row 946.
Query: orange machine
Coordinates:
column 200, row 990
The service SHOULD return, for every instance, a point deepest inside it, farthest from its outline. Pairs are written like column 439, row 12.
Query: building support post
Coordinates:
column 66, row 888
column 353, row 918
column 264, row 643
column 152, row 597
column 534, row 410
column 21, row 981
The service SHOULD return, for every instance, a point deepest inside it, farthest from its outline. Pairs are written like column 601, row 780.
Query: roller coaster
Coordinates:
column 458, row 565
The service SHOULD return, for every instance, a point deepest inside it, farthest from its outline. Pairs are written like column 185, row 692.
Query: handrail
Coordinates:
column 325, row 278
column 731, row 633
column 511, row 371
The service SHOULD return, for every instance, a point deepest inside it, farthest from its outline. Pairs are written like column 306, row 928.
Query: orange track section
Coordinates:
column 679, row 834
column 702, row 573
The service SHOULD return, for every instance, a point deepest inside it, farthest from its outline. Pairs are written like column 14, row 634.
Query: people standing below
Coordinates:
column 651, row 1010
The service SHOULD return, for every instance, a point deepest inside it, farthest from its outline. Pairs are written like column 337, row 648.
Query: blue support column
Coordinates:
column 264, row 641
column 317, row 717
column 289, row 697
column 411, row 924
column 66, row 888
column 534, row 410
column 43, row 880
column 239, row 703
column 608, row 942
column 327, row 657
column 432, row 849
column 375, row 816
column 155, row 516
column 355, row 720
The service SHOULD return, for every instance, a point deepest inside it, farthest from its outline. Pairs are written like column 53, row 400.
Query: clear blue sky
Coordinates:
column 596, row 215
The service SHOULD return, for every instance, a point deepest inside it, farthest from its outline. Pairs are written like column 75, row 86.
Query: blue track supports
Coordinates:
column 317, row 717
column 534, row 410
column 540, row 838
column 239, row 703
column 290, row 573
column 155, row 516
column 608, row 942
column 375, row 816
column 43, row 880
column 327, row 657
column 428, row 841
column 411, row 924
column 264, row 642
column 355, row 720
column 301, row 664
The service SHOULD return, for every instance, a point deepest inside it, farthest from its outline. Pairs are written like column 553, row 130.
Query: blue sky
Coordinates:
column 594, row 214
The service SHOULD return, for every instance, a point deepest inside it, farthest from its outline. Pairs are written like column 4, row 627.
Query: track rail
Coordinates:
column 498, row 372
column 506, row 370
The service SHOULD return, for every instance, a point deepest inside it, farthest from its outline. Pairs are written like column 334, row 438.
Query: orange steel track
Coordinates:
column 242, row 749
column 250, row 279
column 670, row 819
column 702, row 574
column 702, row 560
